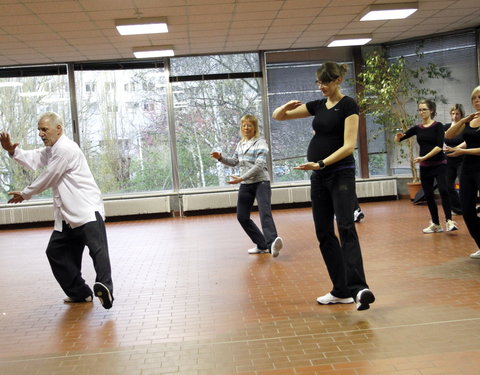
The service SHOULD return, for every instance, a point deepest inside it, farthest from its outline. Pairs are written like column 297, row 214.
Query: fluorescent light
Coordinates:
column 147, row 25
column 392, row 11
column 349, row 40
column 153, row 51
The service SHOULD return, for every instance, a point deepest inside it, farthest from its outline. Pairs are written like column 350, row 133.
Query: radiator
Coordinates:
column 43, row 211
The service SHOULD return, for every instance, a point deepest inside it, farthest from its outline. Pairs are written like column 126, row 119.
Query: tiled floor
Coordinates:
column 189, row 300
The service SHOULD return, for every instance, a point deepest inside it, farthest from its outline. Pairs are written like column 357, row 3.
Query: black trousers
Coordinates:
column 428, row 175
column 469, row 189
column 454, row 169
column 65, row 250
column 333, row 193
column 246, row 197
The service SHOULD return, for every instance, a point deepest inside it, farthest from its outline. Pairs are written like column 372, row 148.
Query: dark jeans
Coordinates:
column 428, row 175
column 454, row 169
column 469, row 188
column 333, row 193
column 246, row 197
column 65, row 250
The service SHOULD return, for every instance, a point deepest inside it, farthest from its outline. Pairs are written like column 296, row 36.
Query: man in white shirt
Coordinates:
column 78, row 210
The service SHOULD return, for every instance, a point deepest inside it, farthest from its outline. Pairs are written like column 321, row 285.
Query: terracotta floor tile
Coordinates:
column 189, row 300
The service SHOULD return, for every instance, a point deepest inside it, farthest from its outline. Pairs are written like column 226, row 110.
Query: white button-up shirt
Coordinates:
column 76, row 195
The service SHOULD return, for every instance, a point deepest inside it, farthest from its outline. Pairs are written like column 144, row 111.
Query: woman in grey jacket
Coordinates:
column 251, row 156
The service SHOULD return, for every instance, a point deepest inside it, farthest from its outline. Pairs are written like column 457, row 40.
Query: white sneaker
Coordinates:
column 433, row 228
column 277, row 245
column 256, row 250
column 364, row 298
column 72, row 300
column 358, row 215
column 330, row 299
column 475, row 255
column 451, row 225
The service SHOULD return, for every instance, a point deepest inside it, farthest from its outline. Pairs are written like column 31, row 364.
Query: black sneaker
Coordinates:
column 103, row 294
column 364, row 298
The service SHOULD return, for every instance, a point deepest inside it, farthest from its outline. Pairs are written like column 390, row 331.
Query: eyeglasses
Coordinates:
column 318, row 82
column 423, row 110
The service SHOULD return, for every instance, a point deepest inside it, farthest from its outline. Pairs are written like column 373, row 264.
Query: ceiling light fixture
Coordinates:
column 147, row 25
column 153, row 51
column 394, row 11
column 349, row 40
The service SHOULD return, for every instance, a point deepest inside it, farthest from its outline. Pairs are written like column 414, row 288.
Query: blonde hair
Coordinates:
column 459, row 108
column 475, row 90
column 254, row 121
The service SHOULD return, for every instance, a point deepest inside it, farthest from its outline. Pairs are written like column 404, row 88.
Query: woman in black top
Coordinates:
column 433, row 165
column 330, row 157
column 454, row 164
column 469, row 127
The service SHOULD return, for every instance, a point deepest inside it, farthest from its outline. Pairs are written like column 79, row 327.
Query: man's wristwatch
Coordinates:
column 321, row 164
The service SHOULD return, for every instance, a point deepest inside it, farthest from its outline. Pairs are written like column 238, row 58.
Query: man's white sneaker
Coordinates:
column 81, row 300
column 277, row 245
column 433, row 228
column 475, row 255
column 330, row 299
column 256, row 250
column 451, row 225
column 364, row 298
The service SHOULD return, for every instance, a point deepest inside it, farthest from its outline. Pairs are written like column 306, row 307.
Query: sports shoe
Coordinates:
column 103, row 294
column 364, row 298
column 433, row 228
column 358, row 215
column 78, row 300
column 451, row 225
column 256, row 250
column 330, row 299
column 475, row 255
column 277, row 245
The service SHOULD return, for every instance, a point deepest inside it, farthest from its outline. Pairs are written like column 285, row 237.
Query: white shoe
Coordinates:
column 364, row 298
column 330, row 299
column 256, row 250
column 358, row 215
column 433, row 228
column 72, row 300
column 277, row 245
column 451, row 225
column 475, row 255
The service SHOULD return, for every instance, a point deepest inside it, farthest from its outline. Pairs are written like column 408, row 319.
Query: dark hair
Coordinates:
column 459, row 108
column 431, row 106
column 330, row 71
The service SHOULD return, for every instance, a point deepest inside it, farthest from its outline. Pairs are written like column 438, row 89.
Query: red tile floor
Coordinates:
column 189, row 300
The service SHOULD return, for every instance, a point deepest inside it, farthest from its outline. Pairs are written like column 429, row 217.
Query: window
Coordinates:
column 208, row 109
column 127, row 148
column 24, row 96
column 287, row 81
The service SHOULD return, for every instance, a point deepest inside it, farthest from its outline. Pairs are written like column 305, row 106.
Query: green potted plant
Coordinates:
column 389, row 88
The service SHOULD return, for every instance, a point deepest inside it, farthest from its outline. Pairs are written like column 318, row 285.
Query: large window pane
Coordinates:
column 207, row 114
column 22, row 101
column 290, row 139
column 124, row 128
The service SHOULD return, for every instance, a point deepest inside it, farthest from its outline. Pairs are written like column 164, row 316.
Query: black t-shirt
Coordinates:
column 329, row 128
column 471, row 163
column 428, row 138
column 452, row 142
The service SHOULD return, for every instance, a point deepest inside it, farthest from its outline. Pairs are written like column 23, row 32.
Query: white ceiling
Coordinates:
column 43, row 31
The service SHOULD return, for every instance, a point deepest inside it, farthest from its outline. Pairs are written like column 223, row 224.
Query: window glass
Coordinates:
column 214, row 64
column 207, row 115
column 22, row 101
column 124, row 129
column 290, row 139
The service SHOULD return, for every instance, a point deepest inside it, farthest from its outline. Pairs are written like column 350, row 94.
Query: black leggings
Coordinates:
column 428, row 175
column 469, row 188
